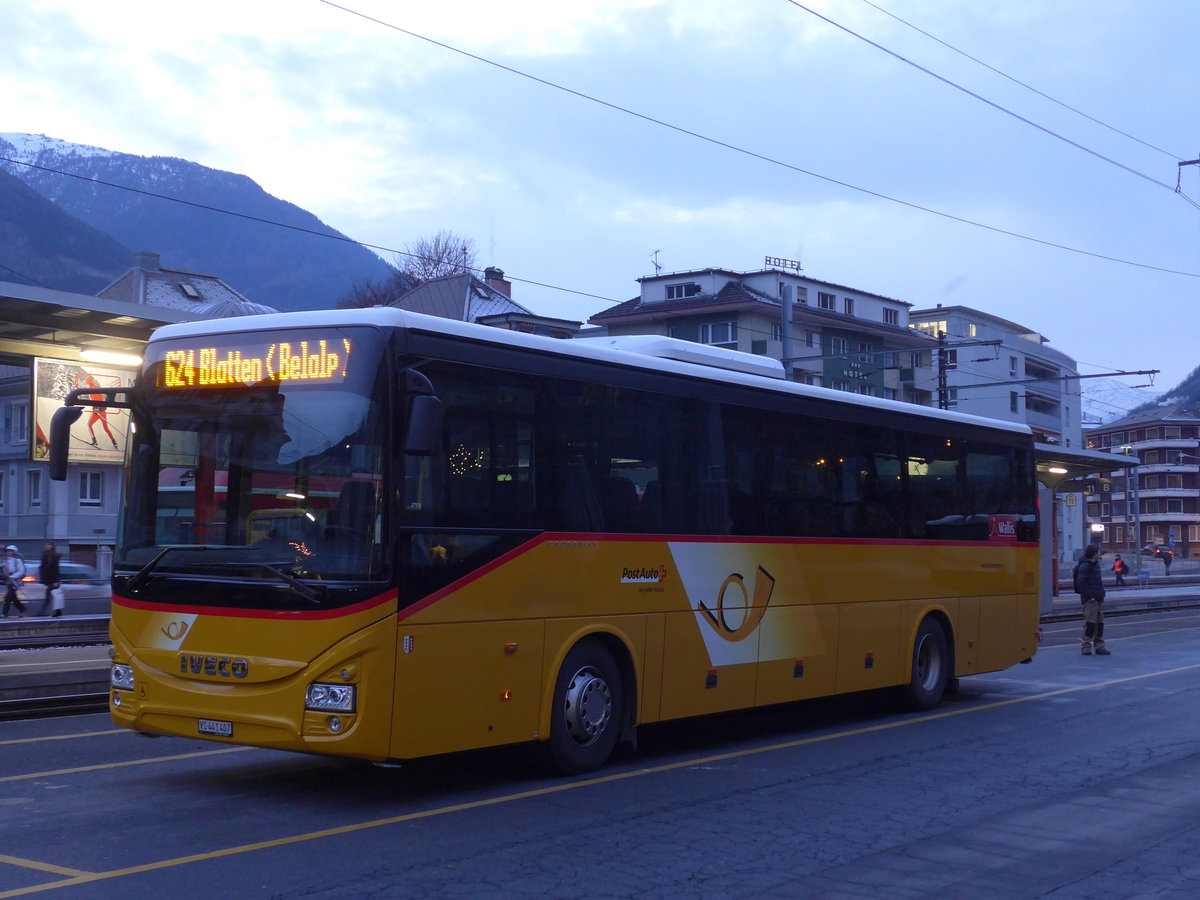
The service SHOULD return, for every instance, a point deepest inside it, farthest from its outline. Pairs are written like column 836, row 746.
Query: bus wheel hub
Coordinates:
column 587, row 706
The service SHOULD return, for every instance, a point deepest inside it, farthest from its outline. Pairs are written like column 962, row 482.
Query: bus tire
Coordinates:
column 929, row 675
column 586, row 718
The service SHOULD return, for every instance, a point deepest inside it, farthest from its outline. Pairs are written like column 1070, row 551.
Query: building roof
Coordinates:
column 1171, row 412
column 814, row 281
column 734, row 295
column 38, row 321
column 940, row 311
column 461, row 297
column 148, row 283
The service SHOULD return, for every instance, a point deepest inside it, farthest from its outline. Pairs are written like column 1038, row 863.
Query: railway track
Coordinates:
column 43, row 707
column 65, row 631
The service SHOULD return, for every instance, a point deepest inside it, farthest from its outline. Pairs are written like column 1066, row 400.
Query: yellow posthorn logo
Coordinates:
column 175, row 630
column 753, row 608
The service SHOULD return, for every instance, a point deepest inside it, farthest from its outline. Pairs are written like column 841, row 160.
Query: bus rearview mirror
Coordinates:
column 424, row 425
column 60, row 439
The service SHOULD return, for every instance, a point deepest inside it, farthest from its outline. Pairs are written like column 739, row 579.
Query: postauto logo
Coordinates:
column 647, row 575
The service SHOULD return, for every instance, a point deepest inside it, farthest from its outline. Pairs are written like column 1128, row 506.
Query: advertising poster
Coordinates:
column 99, row 434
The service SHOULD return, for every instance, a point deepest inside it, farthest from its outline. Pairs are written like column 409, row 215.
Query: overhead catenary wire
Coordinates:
column 1017, row 81
column 980, row 97
column 753, row 154
column 265, row 221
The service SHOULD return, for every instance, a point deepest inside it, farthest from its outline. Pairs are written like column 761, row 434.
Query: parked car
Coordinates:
column 86, row 593
column 1158, row 551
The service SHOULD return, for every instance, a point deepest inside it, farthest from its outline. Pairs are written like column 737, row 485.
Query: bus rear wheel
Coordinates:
column 585, row 720
column 930, row 672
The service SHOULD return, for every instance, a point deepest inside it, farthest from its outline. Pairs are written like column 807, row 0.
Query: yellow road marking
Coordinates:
column 1115, row 640
column 41, row 866
column 65, row 737
column 118, row 765
column 89, row 878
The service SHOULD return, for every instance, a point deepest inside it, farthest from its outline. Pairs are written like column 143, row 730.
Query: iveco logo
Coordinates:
column 217, row 666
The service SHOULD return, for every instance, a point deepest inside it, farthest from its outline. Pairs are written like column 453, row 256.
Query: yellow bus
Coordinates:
column 382, row 535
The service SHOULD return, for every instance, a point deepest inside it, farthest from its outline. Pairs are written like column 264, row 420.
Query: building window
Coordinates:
column 682, row 291
column 34, row 485
column 916, row 360
column 1012, row 367
column 91, row 488
column 1174, row 506
column 932, row 328
column 718, row 333
column 826, row 301
column 777, row 331
column 889, row 393
column 839, row 346
column 1171, row 433
column 891, row 316
column 16, row 422
column 1, row 490
column 952, row 398
column 802, row 295
column 811, row 339
column 1013, row 401
column 864, row 352
column 848, row 305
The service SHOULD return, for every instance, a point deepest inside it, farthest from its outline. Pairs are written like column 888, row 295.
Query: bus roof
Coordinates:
column 656, row 354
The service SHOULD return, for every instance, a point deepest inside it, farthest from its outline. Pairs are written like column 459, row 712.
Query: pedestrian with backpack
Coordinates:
column 1090, row 587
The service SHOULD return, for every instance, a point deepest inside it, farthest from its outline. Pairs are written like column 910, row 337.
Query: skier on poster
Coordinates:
column 98, row 414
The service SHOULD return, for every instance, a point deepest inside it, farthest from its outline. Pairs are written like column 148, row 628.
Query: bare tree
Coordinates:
column 446, row 253
column 368, row 293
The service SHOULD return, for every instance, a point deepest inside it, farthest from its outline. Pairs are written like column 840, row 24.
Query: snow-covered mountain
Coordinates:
column 285, row 267
column 1106, row 399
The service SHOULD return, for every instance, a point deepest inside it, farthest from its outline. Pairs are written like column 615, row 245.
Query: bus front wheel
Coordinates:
column 585, row 721
column 930, row 673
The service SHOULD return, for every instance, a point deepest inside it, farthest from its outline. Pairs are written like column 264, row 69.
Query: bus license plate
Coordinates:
column 216, row 727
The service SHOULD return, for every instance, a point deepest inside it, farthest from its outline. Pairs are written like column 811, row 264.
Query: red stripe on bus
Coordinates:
column 278, row 614
column 573, row 538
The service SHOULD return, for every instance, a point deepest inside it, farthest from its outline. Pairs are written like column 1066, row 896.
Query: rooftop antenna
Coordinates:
column 654, row 256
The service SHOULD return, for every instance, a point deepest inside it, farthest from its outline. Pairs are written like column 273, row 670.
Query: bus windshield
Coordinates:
column 259, row 461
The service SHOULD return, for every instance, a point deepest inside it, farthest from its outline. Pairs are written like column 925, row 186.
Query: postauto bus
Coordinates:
column 382, row 535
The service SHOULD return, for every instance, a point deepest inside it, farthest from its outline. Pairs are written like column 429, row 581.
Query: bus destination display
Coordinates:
column 309, row 361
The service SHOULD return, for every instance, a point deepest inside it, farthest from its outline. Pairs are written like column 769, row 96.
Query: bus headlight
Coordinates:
column 122, row 677
column 329, row 697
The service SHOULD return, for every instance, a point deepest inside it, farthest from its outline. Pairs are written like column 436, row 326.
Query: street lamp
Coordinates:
column 1136, row 545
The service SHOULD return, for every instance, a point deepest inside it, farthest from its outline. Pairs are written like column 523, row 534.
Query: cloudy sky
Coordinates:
column 880, row 157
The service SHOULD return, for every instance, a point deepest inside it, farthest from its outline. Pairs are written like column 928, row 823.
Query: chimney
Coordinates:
column 494, row 278
column 146, row 260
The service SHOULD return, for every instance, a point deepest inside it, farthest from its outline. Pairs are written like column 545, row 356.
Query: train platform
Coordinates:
column 57, row 659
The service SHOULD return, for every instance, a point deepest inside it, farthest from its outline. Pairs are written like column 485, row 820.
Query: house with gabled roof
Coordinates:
column 487, row 301
column 149, row 283
column 840, row 337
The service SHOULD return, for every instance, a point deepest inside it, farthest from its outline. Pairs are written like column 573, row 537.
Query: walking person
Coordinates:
column 1119, row 568
column 49, row 573
column 1090, row 587
column 14, row 571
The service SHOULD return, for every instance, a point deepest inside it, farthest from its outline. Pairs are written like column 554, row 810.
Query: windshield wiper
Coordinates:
column 307, row 592
column 310, row 594
column 138, row 578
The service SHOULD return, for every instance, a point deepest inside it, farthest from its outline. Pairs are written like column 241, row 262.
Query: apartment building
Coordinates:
column 1158, row 502
column 840, row 337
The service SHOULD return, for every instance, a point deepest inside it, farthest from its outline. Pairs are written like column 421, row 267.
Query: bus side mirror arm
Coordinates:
column 60, row 439
column 424, row 425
